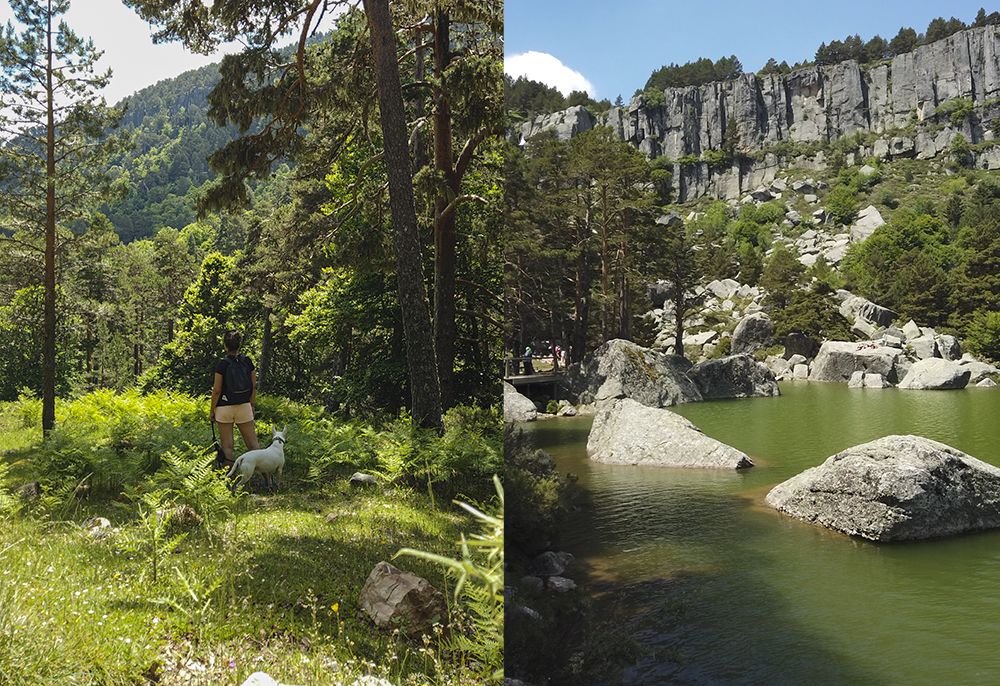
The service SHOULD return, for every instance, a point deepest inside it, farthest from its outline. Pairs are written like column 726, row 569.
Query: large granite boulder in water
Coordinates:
column 736, row 376
column 895, row 488
column 516, row 407
column 838, row 360
column 625, row 432
column 622, row 369
column 936, row 374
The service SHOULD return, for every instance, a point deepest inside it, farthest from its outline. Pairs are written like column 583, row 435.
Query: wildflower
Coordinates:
column 335, row 607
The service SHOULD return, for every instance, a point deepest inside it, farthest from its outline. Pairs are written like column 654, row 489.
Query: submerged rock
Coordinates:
column 625, row 432
column 893, row 489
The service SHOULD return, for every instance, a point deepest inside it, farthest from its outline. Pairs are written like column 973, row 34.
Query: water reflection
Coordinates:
column 722, row 590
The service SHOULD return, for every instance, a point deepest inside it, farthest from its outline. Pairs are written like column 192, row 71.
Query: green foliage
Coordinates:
column 841, row 204
column 479, row 575
column 188, row 476
column 696, row 73
column 530, row 98
column 772, row 67
column 187, row 363
column 150, row 538
column 458, row 461
column 782, row 276
column 722, row 348
column 351, row 322
column 983, row 339
column 960, row 150
column 814, row 313
column 957, row 110
column 114, row 440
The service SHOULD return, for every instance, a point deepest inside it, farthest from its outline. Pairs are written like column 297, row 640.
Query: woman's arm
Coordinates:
column 216, row 394
column 253, row 392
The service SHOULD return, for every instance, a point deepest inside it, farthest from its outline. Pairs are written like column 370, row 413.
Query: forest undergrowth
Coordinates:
column 185, row 584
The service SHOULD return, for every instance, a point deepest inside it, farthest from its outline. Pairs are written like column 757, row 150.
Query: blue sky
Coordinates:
column 615, row 46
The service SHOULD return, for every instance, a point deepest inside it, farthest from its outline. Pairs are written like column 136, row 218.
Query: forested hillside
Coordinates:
column 172, row 140
column 305, row 266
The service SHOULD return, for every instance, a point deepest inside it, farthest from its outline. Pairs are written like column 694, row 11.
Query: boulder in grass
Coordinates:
column 895, row 488
column 393, row 599
column 625, row 432
column 362, row 479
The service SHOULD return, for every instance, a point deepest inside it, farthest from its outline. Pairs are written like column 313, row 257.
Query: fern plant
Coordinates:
column 150, row 538
column 189, row 476
column 479, row 588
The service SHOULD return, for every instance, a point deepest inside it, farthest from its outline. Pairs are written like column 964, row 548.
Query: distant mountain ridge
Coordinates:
column 905, row 98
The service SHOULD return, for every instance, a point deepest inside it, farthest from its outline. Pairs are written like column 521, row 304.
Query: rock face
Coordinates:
column 622, row 369
column 893, row 489
column 736, row 376
column 752, row 333
column 805, row 106
column 516, row 407
column 566, row 124
column 838, row 360
column 625, row 432
column 936, row 374
column 394, row 598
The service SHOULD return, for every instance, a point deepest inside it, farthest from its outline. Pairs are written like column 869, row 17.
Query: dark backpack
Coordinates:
column 238, row 381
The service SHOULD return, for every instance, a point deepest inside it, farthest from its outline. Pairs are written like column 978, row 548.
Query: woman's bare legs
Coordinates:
column 226, row 439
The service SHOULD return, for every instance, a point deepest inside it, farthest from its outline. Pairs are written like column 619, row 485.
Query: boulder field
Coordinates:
column 895, row 488
column 622, row 369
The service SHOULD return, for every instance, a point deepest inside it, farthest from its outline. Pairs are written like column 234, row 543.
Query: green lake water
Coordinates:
column 720, row 589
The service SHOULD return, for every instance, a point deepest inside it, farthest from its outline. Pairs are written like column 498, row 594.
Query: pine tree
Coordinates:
column 57, row 131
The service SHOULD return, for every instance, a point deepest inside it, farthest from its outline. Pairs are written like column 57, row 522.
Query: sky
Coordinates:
column 128, row 48
column 610, row 49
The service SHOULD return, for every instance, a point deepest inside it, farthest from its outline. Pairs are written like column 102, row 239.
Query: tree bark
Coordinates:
column 425, row 391
column 445, row 330
column 265, row 352
column 49, row 306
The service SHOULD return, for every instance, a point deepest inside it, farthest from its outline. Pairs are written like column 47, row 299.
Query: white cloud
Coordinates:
column 540, row 66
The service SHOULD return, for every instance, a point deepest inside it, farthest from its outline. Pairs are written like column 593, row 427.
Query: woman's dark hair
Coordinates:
column 232, row 340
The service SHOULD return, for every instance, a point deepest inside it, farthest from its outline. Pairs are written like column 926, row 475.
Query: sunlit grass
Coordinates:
column 272, row 586
column 275, row 588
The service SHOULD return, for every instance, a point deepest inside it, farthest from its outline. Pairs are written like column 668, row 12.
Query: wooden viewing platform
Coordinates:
column 526, row 383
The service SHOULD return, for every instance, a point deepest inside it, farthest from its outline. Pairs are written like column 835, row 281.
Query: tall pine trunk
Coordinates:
column 445, row 330
column 425, row 391
column 49, row 307
column 265, row 352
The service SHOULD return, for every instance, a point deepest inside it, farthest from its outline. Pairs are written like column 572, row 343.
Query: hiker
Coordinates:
column 233, row 396
column 528, row 367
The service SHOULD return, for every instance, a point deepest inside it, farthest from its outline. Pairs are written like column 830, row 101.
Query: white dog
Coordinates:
column 268, row 461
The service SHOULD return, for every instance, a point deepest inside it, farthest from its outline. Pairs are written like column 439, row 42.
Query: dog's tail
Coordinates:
column 236, row 465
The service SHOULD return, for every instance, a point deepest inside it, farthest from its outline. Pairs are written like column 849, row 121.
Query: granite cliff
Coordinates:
column 896, row 100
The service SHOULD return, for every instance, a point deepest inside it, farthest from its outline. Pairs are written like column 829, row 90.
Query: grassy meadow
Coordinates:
column 222, row 587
